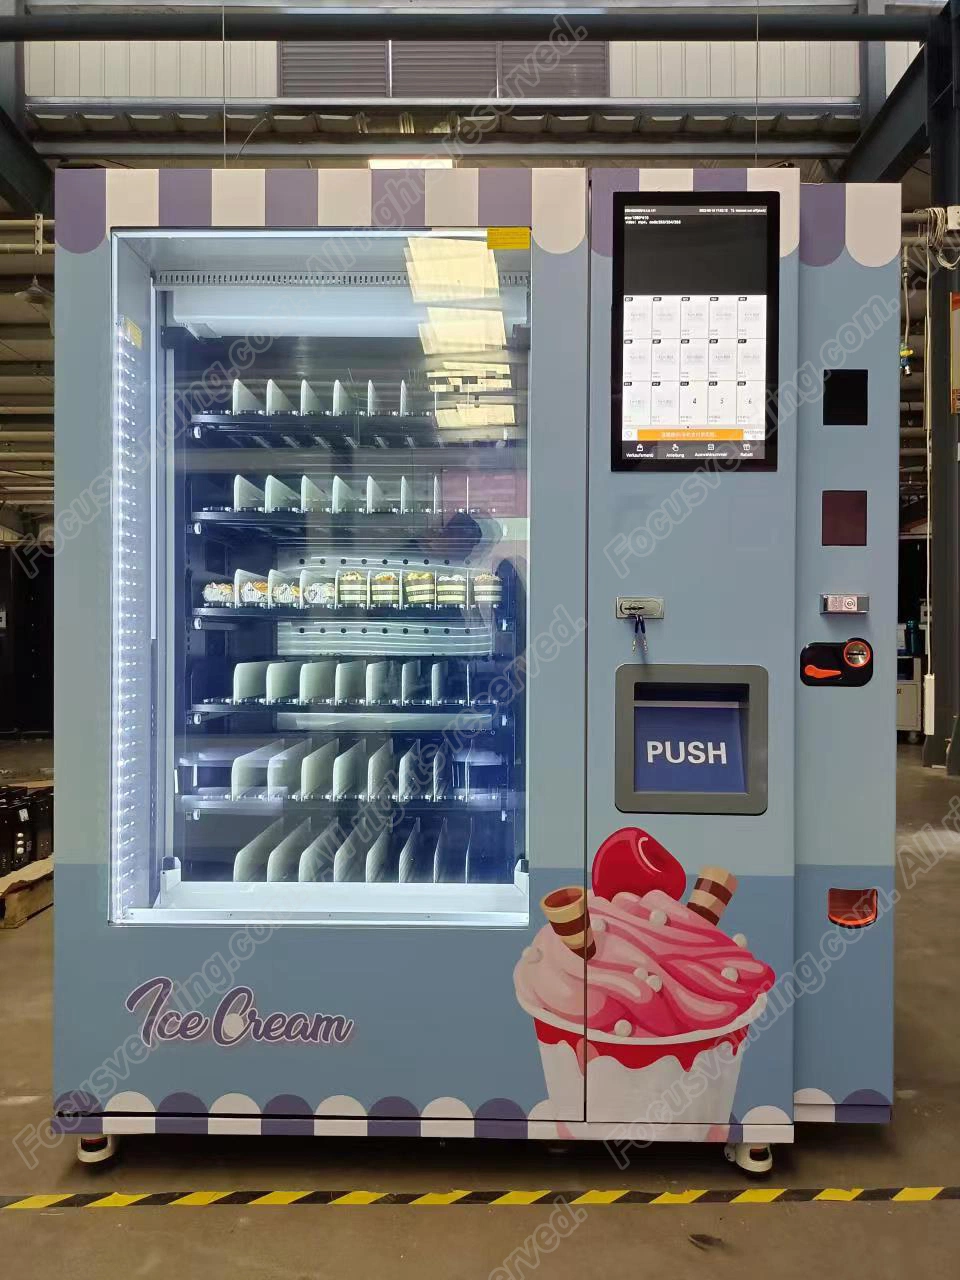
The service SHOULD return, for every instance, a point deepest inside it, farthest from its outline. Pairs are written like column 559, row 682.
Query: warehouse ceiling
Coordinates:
column 311, row 131
column 289, row 133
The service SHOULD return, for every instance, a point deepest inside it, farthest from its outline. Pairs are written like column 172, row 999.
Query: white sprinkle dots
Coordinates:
column 622, row 1028
column 740, row 939
column 658, row 917
column 730, row 973
column 532, row 954
column 654, row 982
column 599, row 926
column 640, row 973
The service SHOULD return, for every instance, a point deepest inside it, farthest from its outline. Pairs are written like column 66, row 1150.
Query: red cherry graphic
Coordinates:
column 632, row 860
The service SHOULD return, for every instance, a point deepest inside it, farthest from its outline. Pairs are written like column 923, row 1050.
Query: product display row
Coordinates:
column 344, row 398
column 303, row 770
column 453, row 587
column 399, row 494
column 356, row 682
column 413, row 854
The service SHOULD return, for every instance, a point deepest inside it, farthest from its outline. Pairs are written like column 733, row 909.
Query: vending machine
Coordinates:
column 467, row 678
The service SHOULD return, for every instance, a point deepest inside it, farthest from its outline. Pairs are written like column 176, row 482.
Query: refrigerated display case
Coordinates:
column 335, row 576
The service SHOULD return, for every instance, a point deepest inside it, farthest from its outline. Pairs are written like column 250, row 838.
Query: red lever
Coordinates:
column 820, row 673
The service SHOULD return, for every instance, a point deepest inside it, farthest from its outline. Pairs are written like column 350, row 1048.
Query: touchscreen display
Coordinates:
column 695, row 329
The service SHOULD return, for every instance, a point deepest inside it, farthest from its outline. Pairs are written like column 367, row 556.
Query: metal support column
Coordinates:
column 942, row 746
column 26, row 182
column 873, row 67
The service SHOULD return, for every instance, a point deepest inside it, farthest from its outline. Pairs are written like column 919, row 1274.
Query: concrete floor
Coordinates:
column 921, row 1147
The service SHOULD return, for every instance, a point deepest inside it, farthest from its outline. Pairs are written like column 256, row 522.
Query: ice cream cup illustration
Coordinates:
column 669, row 1000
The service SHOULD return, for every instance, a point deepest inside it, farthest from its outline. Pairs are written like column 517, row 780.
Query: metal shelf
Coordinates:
column 355, row 717
column 412, row 615
column 341, row 434
column 261, row 805
column 460, row 533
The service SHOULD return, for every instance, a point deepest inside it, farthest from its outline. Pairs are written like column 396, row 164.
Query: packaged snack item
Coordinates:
column 420, row 587
column 452, row 589
column 487, row 588
column 385, row 588
column 253, row 591
column 287, row 593
column 218, row 593
column 353, row 587
column 323, row 592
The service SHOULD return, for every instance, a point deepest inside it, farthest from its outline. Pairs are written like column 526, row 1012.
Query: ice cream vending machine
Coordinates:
column 475, row 709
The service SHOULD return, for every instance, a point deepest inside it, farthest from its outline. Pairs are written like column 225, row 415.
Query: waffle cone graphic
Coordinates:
column 712, row 893
column 566, row 909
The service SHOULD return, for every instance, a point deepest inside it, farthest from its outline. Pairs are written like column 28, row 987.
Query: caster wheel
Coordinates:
column 748, row 1157
column 913, row 738
column 96, row 1148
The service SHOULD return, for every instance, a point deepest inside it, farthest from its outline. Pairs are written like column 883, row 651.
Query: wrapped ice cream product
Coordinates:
column 218, row 593
column 322, row 591
column 253, row 591
column 287, row 593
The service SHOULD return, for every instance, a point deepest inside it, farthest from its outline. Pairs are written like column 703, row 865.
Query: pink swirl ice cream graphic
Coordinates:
column 666, row 989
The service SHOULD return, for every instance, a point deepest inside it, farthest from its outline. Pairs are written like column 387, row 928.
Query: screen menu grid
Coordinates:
column 694, row 375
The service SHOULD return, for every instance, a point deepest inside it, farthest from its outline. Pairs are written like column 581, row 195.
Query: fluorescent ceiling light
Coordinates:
column 410, row 162
column 449, row 329
column 476, row 415
column 465, row 367
column 446, row 270
column 470, row 382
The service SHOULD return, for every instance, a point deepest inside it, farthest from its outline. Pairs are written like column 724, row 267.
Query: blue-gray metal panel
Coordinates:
column 846, row 738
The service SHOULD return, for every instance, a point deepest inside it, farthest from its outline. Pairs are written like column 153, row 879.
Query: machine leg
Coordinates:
column 749, row 1157
column 96, row 1148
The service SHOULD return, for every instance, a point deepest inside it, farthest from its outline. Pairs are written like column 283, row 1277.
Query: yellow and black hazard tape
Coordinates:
column 724, row 1195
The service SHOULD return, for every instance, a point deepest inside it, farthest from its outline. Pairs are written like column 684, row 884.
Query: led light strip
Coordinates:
column 130, row 809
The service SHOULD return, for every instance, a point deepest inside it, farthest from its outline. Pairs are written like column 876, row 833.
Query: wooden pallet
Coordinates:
column 26, row 892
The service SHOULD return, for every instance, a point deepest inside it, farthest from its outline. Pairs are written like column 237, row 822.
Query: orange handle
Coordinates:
column 820, row 673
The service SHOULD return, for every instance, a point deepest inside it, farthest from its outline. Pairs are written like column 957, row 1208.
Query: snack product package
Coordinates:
column 452, row 589
column 352, row 587
column 420, row 587
column 486, row 588
column 385, row 588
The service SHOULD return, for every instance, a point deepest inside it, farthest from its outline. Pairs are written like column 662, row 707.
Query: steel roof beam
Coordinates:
column 370, row 23
column 896, row 136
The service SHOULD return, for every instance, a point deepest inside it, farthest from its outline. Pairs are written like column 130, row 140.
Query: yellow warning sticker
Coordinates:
column 508, row 237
